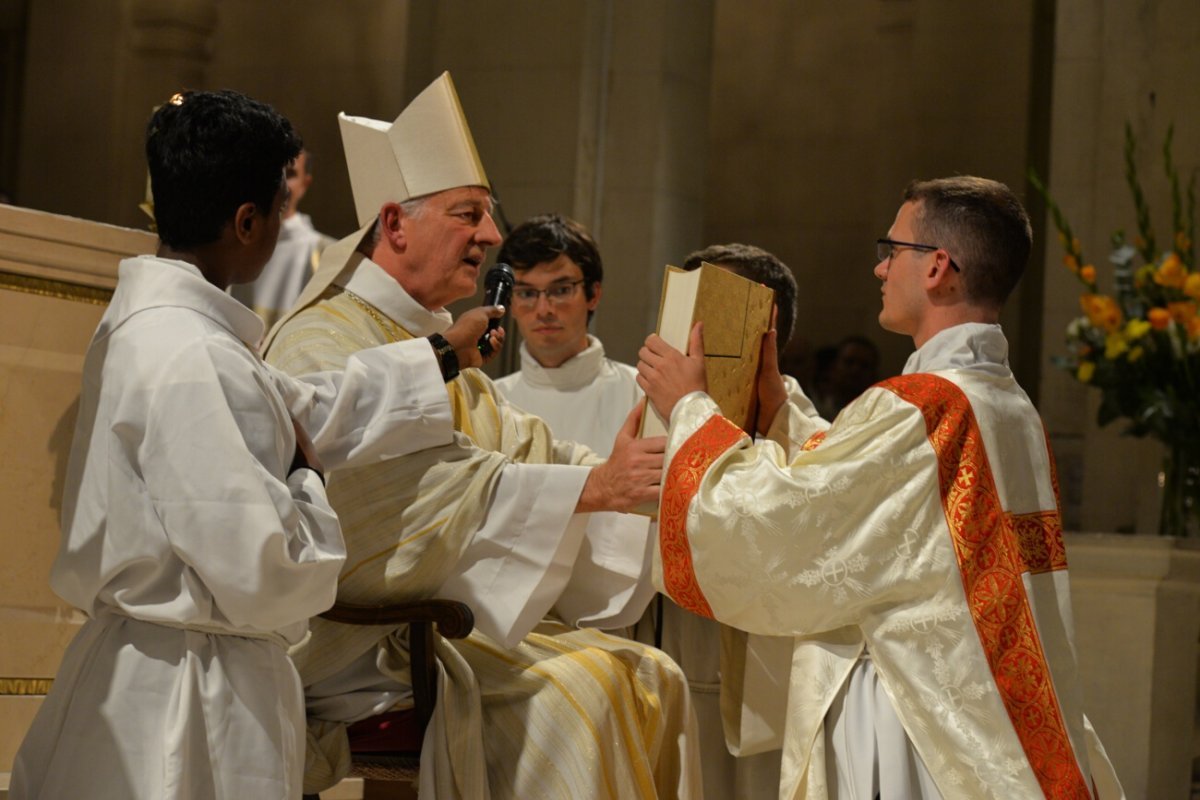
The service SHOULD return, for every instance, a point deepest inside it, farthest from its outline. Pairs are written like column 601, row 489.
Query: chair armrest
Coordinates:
column 452, row 618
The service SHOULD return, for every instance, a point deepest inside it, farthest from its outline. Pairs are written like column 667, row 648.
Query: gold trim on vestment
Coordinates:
column 62, row 290
column 25, row 686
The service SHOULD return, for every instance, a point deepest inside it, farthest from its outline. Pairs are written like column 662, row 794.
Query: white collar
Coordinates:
column 145, row 282
column 576, row 372
column 370, row 282
column 971, row 345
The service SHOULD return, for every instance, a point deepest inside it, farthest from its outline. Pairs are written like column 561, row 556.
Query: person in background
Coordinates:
column 565, row 377
column 853, row 367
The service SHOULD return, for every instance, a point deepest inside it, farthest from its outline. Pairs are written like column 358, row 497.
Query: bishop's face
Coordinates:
column 445, row 244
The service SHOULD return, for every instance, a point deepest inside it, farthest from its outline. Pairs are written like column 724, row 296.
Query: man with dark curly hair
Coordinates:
column 565, row 377
column 196, row 533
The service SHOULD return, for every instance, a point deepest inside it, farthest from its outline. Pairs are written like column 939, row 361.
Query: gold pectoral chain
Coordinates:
column 389, row 327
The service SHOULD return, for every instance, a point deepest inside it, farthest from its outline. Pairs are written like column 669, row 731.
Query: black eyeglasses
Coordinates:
column 556, row 293
column 886, row 248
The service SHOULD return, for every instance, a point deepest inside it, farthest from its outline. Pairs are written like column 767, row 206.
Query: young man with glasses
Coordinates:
column 565, row 377
column 914, row 547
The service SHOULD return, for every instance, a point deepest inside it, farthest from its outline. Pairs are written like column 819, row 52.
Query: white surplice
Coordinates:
column 585, row 399
column 920, row 529
column 489, row 520
column 195, row 554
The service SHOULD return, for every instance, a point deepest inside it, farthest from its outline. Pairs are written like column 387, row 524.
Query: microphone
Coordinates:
column 497, row 291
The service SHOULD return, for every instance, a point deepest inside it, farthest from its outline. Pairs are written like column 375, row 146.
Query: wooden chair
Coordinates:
column 387, row 747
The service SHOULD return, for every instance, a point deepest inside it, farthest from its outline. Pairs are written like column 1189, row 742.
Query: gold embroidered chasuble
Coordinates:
column 949, row 569
column 569, row 713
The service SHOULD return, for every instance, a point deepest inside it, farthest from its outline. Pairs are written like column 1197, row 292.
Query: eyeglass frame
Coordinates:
column 925, row 248
column 537, row 293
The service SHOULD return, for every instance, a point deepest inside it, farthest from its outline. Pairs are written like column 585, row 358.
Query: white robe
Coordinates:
column 509, row 544
column 923, row 526
column 586, row 399
column 195, row 554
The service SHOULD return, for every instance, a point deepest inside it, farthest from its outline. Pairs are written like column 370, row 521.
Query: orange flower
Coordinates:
column 1088, row 273
column 1070, row 263
column 1182, row 242
column 1102, row 311
column 1191, row 286
column 1159, row 318
column 1182, row 312
column 1171, row 272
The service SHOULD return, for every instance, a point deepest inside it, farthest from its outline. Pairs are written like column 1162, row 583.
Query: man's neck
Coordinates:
column 942, row 317
column 202, row 259
column 554, row 360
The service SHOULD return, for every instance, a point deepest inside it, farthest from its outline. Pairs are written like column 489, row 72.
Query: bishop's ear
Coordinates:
column 392, row 225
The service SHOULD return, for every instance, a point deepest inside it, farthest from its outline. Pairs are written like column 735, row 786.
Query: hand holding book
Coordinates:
column 772, row 394
column 666, row 375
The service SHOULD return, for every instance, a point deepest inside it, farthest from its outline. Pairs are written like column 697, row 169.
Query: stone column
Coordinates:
column 90, row 87
column 597, row 110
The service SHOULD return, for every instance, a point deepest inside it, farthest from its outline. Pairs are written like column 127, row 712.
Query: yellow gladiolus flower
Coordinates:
column 1070, row 263
column 1159, row 318
column 1085, row 371
column 1136, row 329
column 1102, row 311
column 1171, row 272
column 1191, row 286
column 1088, row 273
column 1136, row 353
column 1114, row 346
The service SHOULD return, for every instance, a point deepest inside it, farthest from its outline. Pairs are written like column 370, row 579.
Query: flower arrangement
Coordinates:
column 1139, row 342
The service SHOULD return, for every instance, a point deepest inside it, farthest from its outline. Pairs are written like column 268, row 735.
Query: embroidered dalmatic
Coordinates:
column 923, row 527
column 488, row 519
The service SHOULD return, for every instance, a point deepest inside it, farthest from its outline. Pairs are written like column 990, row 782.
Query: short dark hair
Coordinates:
column 208, row 153
column 983, row 226
column 547, row 236
column 757, row 265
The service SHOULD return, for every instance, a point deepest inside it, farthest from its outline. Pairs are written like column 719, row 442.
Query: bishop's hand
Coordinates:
column 464, row 335
column 632, row 474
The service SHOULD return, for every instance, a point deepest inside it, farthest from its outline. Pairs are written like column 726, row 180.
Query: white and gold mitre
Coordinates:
column 427, row 149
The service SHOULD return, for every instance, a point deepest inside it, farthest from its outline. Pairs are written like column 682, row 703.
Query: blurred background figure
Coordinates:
column 847, row 371
column 296, row 254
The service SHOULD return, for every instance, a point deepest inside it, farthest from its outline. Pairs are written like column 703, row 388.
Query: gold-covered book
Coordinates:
column 736, row 312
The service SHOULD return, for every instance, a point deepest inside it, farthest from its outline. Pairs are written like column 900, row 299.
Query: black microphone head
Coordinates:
column 500, row 273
